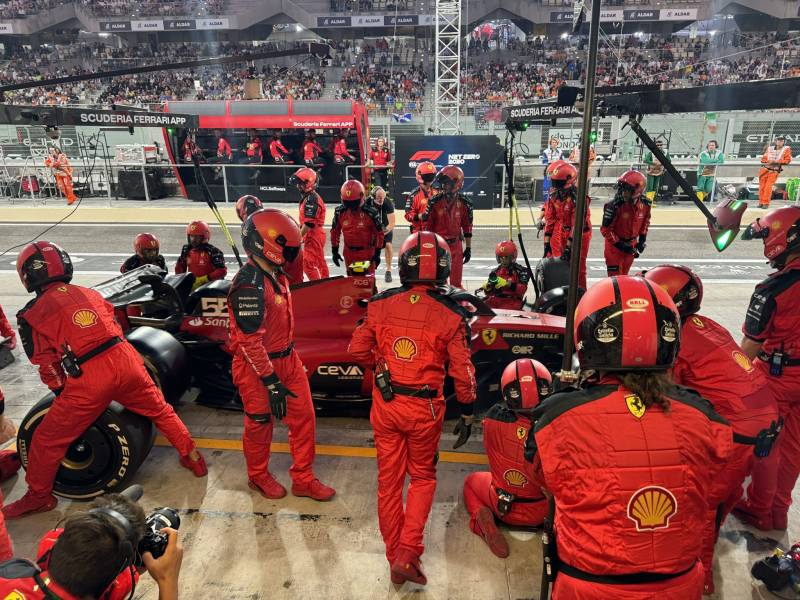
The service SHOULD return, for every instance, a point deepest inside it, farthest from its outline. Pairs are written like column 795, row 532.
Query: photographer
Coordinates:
column 95, row 556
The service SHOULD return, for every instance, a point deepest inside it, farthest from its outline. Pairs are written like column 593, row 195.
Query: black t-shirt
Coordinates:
column 384, row 210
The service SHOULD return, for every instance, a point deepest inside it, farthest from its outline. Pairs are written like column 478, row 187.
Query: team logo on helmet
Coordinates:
column 742, row 361
column 515, row 478
column 668, row 332
column 606, row 333
column 489, row 336
column 404, row 348
column 38, row 264
column 635, row 405
column 652, row 507
column 84, row 318
column 698, row 322
column 521, row 433
column 62, row 288
column 413, row 298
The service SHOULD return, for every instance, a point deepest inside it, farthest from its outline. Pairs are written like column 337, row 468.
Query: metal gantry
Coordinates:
column 447, row 86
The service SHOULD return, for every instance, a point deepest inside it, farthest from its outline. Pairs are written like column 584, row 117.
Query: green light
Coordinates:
column 723, row 240
column 170, row 131
column 593, row 137
column 736, row 205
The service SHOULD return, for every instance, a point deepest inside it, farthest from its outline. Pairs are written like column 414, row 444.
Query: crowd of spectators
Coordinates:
column 371, row 5
column 19, row 9
column 400, row 90
column 276, row 84
column 154, row 8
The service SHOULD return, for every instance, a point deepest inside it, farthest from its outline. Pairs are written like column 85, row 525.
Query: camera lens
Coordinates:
column 164, row 517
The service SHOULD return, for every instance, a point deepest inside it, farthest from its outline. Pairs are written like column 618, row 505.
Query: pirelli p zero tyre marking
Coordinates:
column 105, row 457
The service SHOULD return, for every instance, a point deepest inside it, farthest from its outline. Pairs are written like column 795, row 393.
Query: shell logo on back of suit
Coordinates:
column 742, row 361
column 652, row 507
column 84, row 318
column 515, row 478
column 404, row 348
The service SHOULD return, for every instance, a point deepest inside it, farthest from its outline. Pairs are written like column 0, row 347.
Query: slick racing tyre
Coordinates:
column 551, row 273
column 165, row 359
column 104, row 458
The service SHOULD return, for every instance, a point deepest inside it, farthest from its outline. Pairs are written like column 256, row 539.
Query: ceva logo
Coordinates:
column 430, row 155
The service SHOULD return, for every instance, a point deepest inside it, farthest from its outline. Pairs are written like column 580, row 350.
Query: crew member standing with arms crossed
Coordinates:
column 312, row 221
column 626, row 220
column 771, row 341
column 418, row 199
column 408, row 335
column 449, row 214
column 774, row 158
column 266, row 369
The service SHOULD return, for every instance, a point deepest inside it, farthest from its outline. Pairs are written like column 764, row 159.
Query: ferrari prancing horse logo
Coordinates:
column 521, row 432
column 413, row 298
column 489, row 336
column 635, row 405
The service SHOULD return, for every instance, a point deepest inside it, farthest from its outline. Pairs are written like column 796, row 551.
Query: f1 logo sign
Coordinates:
column 430, row 155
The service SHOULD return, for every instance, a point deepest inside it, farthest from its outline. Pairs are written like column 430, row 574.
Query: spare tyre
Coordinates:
column 165, row 359
column 104, row 458
column 552, row 273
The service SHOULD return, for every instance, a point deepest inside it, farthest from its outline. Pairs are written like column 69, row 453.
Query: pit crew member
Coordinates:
column 712, row 363
column 199, row 257
column 312, row 223
column 771, row 341
column 358, row 226
column 508, row 282
column 563, row 179
column 408, row 335
column 312, row 151
column 449, row 215
column 641, row 457
column 146, row 247
column 266, row 369
column 278, row 151
column 507, row 491
column 626, row 221
column 70, row 333
column 417, row 200
column 380, row 159
column 59, row 165
column 655, row 172
column 710, row 159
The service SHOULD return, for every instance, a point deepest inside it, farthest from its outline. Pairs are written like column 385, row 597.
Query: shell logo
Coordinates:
column 515, row 478
column 742, row 361
column 84, row 318
column 637, row 303
column 652, row 507
column 404, row 348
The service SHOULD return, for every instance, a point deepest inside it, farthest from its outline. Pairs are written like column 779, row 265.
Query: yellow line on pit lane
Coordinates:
column 468, row 458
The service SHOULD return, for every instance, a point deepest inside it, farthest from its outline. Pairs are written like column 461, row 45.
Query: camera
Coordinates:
column 780, row 570
column 154, row 540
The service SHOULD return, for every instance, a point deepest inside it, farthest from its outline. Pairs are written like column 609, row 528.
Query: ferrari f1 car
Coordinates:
column 182, row 336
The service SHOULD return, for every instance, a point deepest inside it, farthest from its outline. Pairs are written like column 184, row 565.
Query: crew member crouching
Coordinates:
column 507, row 283
column 146, row 247
column 508, row 492
column 198, row 257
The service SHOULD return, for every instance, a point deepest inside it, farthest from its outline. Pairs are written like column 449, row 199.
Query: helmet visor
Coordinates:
column 427, row 177
column 755, row 231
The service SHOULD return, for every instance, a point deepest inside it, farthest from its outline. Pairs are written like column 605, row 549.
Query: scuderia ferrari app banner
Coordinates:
column 477, row 156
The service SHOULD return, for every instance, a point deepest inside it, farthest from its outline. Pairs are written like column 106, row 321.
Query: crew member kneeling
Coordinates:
column 70, row 333
column 266, row 369
column 507, row 283
column 409, row 334
column 507, row 491
column 630, row 459
column 198, row 257
column 146, row 247
column 711, row 363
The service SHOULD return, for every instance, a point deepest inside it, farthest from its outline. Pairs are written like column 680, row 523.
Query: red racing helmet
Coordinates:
column 780, row 230
column 352, row 193
column 525, row 382
column 626, row 323
column 505, row 248
column 273, row 235
column 450, row 179
column 562, row 175
column 143, row 242
column 681, row 283
column 40, row 263
column 634, row 181
column 426, row 172
column 424, row 258
column 304, row 179
column 200, row 228
column 247, row 205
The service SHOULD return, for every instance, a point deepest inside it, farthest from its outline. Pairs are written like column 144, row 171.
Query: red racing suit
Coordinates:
column 362, row 233
column 311, row 152
column 623, row 222
column 711, row 363
column 78, row 318
column 340, row 152
column 631, row 485
column 504, row 435
column 255, row 150
column 204, row 261
column 416, row 204
column 568, row 224
column 278, row 151
column 261, row 334
column 414, row 331
column 511, row 295
column 773, row 318
column 451, row 219
column 553, row 209
column 26, row 587
column 312, row 215
column 224, row 151
column 6, row 331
